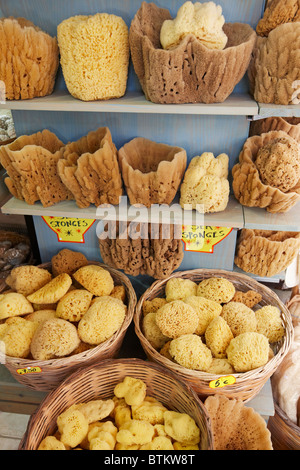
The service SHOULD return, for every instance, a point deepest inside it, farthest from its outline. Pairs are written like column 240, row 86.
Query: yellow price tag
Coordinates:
column 222, row 382
column 203, row 239
column 29, row 370
column 69, row 230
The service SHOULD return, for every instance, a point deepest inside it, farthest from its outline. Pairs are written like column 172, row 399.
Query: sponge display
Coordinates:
column 94, row 56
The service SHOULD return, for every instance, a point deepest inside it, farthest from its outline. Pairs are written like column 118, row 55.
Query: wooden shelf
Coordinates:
column 274, row 110
column 257, row 218
column 134, row 102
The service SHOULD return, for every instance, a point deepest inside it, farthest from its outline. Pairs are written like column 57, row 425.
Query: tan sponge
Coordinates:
column 94, row 56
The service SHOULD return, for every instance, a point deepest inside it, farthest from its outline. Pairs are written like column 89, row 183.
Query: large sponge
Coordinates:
column 190, row 352
column 95, row 279
column 176, row 318
column 94, row 56
column 218, row 289
column 239, row 317
column 248, row 351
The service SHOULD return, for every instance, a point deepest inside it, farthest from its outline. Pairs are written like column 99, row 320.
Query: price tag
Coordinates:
column 69, row 230
column 203, row 239
column 29, row 370
column 222, row 382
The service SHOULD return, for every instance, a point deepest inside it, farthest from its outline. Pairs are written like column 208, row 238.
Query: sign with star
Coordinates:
column 69, row 230
column 203, row 239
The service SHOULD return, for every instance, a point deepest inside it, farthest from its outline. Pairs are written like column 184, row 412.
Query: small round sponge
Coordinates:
column 74, row 305
column 217, row 337
column 219, row 289
column 152, row 332
column 95, row 279
column 239, row 317
column 269, row 323
column 189, row 351
column 16, row 335
column 179, row 289
column 102, row 320
column 206, row 309
column 248, row 351
column 177, row 318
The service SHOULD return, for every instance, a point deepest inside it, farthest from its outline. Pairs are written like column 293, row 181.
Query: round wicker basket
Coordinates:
column 248, row 384
column 285, row 434
column 52, row 372
column 98, row 382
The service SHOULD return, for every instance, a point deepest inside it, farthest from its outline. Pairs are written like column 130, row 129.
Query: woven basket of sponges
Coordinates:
column 46, row 374
column 285, row 434
column 98, row 382
column 239, row 340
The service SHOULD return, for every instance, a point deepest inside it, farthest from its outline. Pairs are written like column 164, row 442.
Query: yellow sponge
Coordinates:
column 94, row 56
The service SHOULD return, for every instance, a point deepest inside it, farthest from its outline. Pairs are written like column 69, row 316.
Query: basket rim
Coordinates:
column 72, row 360
column 257, row 374
column 105, row 364
column 286, row 419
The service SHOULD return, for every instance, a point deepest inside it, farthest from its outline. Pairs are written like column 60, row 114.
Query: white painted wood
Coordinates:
column 257, row 218
column 274, row 110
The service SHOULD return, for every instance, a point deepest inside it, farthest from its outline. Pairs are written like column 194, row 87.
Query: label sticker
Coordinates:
column 222, row 382
column 69, row 230
column 203, row 239
column 29, row 370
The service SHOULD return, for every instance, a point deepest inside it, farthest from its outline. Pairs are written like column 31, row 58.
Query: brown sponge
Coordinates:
column 29, row 59
column 289, row 125
column 278, row 12
column 191, row 72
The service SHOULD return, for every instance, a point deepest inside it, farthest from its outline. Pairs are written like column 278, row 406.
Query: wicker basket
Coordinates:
column 285, row 434
column 247, row 384
column 99, row 381
column 54, row 371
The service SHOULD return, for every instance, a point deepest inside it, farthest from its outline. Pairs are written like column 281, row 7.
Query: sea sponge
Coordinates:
column 220, row 367
column 51, row 443
column 278, row 163
column 16, row 336
column 236, row 426
column 40, row 316
column 135, row 432
column 181, row 427
column 121, row 412
column 269, row 323
column 205, row 186
column 95, row 279
column 13, row 304
column 150, row 410
column 103, row 436
column 74, row 305
column 73, row 427
column 95, row 410
column 239, row 318
column 165, row 350
column 189, row 351
column 152, row 332
column 219, row 289
column 119, row 292
column 53, row 291
column 206, row 309
column 102, row 320
column 180, row 446
column 278, row 12
column 248, row 351
column 29, row 60
column 67, row 261
column 94, row 56
column 249, row 298
column 176, row 318
column 178, row 288
column 54, row 338
column 153, row 305
column 28, row 279
column 132, row 390
column 218, row 336
column 158, row 443
column 203, row 20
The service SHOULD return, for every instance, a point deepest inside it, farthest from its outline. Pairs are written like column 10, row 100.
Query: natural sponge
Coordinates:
column 53, row 291
column 178, row 288
column 269, row 323
column 28, row 279
column 132, row 390
column 13, row 304
column 189, row 351
column 152, row 332
column 16, row 335
column 218, row 289
column 217, row 337
column 206, row 309
column 72, row 427
column 239, row 317
column 278, row 12
column 248, row 351
column 205, row 186
column 67, row 261
column 177, row 318
column 94, row 56
column 74, row 305
column 29, row 60
column 181, row 427
column 203, row 20
column 95, row 279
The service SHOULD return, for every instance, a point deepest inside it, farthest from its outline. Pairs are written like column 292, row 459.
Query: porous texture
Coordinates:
column 72, row 427
column 191, row 72
column 94, row 56
column 67, row 261
column 203, row 20
column 74, row 305
column 266, row 252
column 28, row 279
column 53, row 291
column 278, row 12
column 248, row 351
column 152, row 172
column 189, row 351
column 177, row 318
column 206, row 310
column 16, row 336
column 13, row 304
column 150, row 410
column 236, row 426
column 135, row 432
column 249, row 298
column 153, row 305
column 181, row 427
column 54, row 338
column 41, row 316
column 132, row 390
column 101, row 320
column 274, row 71
column 154, row 252
column 95, row 410
column 178, row 288
column 31, row 165
column 205, row 186
column 95, row 279
column 29, row 59
column 51, row 443
column 269, row 323
column 220, row 367
column 239, row 318
column 247, row 185
column 218, row 289
column 217, row 337
column 289, row 125
column 152, row 332
column 89, row 169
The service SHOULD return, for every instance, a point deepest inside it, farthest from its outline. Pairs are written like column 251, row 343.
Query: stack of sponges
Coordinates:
column 130, row 420
column 47, row 316
column 205, row 186
column 204, row 327
column 94, row 56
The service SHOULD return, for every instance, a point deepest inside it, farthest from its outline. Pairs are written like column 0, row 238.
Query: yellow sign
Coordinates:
column 69, row 230
column 203, row 239
column 222, row 382
column 29, row 370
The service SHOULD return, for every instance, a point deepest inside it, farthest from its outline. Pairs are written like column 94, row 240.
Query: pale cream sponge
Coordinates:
column 94, row 56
